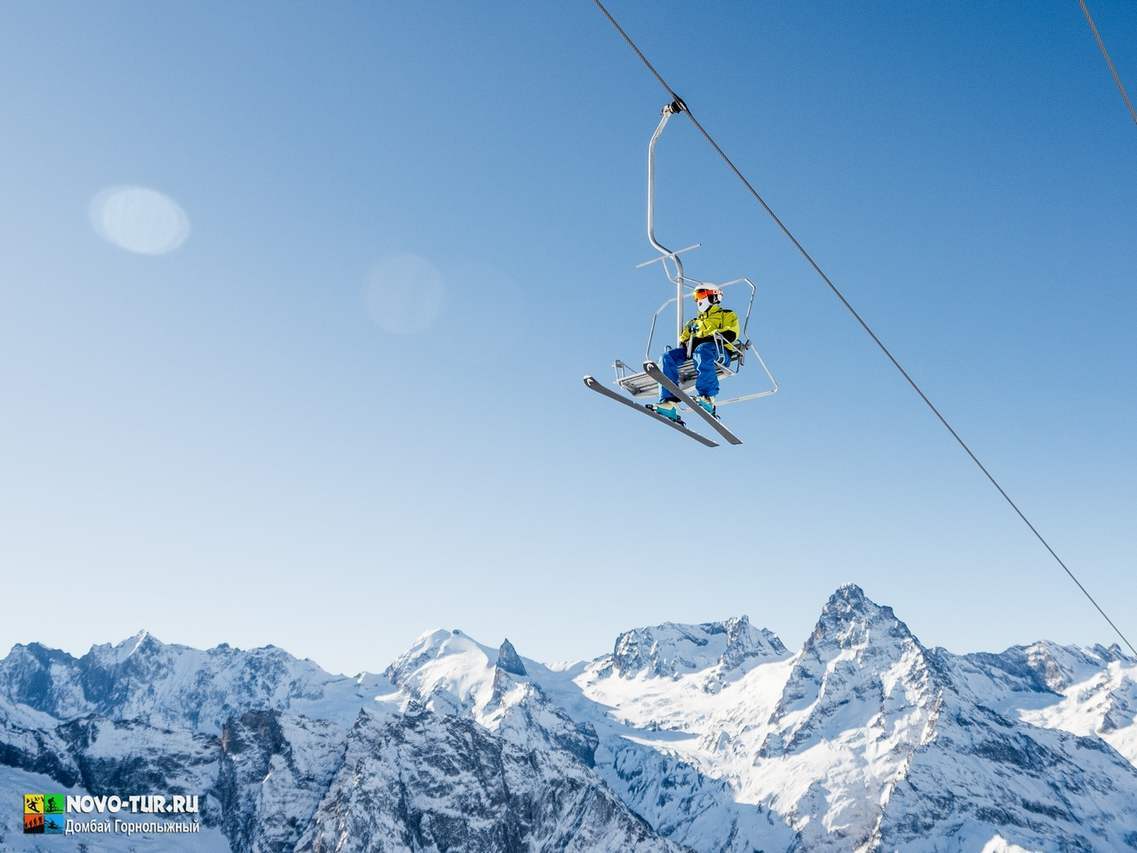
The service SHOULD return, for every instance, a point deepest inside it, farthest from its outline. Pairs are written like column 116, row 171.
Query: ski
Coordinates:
column 600, row 388
column 653, row 370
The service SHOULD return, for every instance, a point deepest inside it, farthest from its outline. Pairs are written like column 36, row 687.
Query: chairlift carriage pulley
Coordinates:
column 645, row 384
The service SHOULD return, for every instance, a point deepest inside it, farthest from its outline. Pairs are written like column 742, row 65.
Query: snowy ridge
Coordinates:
column 172, row 685
column 706, row 737
column 671, row 649
column 1103, row 703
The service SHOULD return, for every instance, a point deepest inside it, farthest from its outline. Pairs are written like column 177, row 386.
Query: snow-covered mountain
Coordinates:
column 709, row 737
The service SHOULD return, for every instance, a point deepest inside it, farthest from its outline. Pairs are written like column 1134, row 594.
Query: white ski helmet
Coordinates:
column 706, row 295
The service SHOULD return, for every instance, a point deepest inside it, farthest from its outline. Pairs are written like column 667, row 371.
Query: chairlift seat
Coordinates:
column 640, row 385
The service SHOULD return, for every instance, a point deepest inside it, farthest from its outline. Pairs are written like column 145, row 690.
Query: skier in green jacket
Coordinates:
column 698, row 343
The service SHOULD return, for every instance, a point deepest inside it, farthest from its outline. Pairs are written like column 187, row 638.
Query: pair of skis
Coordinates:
column 652, row 370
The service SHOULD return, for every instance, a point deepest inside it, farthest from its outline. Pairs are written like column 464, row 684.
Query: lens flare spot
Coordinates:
column 139, row 220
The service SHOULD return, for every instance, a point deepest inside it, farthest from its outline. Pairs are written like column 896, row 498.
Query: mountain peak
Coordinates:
column 1112, row 652
column 427, row 647
column 110, row 654
column 508, row 660
column 850, row 596
column 849, row 617
column 673, row 649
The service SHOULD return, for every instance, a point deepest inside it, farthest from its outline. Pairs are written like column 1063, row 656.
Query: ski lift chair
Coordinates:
column 645, row 383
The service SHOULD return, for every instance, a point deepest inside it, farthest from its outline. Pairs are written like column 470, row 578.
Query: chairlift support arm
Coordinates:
column 676, row 106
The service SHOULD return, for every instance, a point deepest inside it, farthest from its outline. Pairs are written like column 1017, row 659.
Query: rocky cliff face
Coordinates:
column 710, row 737
column 425, row 782
column 273, row 770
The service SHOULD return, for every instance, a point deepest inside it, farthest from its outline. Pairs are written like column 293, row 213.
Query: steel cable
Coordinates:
column 864, row 325
column 1108, row 60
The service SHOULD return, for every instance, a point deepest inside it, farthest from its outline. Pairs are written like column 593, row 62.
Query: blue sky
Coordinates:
column 230, row 442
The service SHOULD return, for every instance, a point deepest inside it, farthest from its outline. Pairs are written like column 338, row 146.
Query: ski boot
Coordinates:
column 669, row 409
column 707, row 404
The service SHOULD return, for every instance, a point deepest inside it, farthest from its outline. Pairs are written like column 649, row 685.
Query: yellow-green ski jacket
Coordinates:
column 714, row 319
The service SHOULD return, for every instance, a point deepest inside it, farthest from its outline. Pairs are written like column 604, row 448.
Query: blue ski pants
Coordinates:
column 706, row 379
